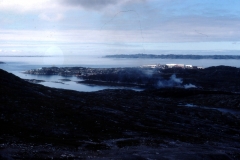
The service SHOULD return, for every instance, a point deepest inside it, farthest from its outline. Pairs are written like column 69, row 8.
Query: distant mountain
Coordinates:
column 42, row 122
column 173, row 56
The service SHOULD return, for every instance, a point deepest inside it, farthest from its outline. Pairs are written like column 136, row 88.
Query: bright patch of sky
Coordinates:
column 118, row 26
column 208, row 8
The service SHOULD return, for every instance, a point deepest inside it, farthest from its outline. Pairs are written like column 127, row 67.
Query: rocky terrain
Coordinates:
column 171, row 122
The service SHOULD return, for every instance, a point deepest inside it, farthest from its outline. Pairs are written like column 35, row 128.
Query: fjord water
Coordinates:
column 18, row 64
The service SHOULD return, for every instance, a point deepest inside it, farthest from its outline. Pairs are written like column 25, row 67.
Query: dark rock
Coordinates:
column 65, row 79
column 42, row 122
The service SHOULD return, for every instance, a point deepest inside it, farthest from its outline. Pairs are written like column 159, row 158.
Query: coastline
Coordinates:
column 223, row 78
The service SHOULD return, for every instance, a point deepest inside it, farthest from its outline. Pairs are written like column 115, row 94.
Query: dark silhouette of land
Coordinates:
column 173, row 56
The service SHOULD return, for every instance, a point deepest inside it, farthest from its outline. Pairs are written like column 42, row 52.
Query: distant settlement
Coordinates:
column 165, row 66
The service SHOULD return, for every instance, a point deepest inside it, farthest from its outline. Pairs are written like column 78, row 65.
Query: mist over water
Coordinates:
column 100, row 61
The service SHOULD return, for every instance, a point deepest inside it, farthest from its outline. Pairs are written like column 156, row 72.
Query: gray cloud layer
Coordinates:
column 97, row 4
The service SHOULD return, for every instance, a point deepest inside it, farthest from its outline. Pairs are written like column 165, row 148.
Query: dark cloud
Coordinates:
column 96, row 4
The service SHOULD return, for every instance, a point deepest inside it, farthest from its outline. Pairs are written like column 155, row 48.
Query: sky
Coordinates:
column 47, row 27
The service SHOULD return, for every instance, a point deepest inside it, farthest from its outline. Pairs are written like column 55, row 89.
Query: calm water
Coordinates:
column 97, row 61
column 16, row 65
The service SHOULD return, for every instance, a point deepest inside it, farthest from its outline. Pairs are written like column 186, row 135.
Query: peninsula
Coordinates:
column 173, row 56
column 160, row 76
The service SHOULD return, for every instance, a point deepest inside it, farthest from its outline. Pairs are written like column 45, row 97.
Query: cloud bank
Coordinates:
column 44, row 5
column 28, row 6
column 90, row 4
column 98, row 4
column 149, row 24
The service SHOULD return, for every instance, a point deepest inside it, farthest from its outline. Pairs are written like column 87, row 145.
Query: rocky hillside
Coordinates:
column 170, row 123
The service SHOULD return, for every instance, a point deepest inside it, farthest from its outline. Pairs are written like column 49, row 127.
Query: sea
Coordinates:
column 18, row 64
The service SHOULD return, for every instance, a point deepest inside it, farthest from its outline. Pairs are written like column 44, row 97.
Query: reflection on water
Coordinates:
column 55, row 81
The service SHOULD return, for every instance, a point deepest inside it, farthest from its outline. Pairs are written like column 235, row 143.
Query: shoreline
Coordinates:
column 113, row 84
column 224, row 78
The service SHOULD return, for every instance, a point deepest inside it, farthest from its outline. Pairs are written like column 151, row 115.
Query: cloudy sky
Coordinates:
column 117, row 26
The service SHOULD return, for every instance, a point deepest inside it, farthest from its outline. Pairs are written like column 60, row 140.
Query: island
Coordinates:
column 173, row 56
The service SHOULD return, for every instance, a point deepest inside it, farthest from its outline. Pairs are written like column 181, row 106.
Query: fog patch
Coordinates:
column 172, row 82
column 53, row 56
column 187, row 86
column 148, row 73
column 175, row 79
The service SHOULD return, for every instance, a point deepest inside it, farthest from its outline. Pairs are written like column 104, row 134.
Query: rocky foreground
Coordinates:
column 168, row 123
